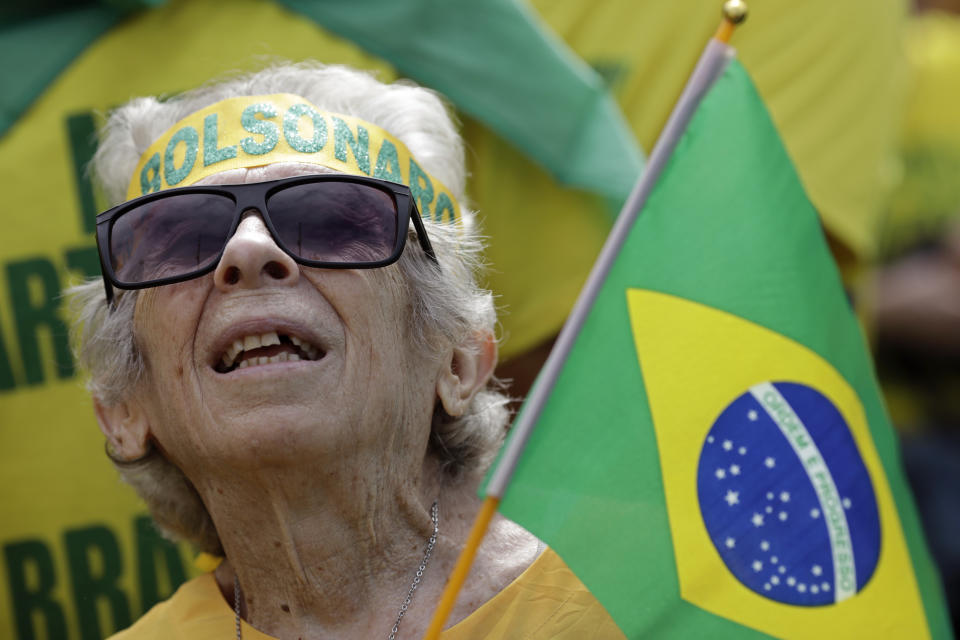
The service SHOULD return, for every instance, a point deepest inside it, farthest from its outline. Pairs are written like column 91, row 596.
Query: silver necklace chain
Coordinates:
column 423, row 567
column 434, row 516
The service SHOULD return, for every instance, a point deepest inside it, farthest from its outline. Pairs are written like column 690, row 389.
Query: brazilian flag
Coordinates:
column 715, row 459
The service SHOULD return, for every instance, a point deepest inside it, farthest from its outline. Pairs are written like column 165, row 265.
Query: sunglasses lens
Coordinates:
column 170, row 237
column 336, row 222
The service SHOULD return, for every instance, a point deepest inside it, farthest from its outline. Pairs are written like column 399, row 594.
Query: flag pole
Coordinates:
column 709, row 67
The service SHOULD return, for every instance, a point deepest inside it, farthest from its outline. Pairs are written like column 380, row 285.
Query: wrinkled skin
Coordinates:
column 315, row 472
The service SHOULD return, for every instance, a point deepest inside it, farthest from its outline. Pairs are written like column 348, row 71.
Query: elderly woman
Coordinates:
column 291, row 361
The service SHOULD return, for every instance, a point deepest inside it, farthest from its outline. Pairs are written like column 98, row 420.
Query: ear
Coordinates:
column 126, row 428
column 466, row 372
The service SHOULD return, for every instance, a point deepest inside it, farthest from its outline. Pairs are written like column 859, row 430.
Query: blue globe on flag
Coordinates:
column 786, row 497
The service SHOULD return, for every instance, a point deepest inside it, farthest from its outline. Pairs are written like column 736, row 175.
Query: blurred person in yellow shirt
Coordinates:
column 917, row 301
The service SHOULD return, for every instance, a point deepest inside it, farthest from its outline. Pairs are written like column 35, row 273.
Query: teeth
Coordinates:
column 268, row 339
column 231, row 356
column 248, row 343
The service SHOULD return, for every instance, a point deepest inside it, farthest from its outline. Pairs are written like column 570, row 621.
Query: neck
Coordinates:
column 337, row 567
column 319, row 563
column 311, row 558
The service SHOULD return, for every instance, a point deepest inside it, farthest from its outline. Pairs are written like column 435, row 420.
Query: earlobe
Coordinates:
column 467, row 371
column 126, row 428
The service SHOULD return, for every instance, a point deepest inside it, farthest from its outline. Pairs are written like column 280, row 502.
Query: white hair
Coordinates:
column 448, row 305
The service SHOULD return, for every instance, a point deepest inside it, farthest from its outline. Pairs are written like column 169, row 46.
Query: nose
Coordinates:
column 252, row 259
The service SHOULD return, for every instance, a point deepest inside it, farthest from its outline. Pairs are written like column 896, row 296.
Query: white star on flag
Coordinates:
column 732, row 497
column 757, row 565
column 735, row 469
column 846, row 503
column 742, row 451
column 730, row 543
column 816, row 570
column 770, row 462
column 764, row 545
column 814, row 513
column 757, row 520
column 721, row 474
column 784, row 496
column 727, row 445
column 783, row 516
column 752, row 415
column 774, row 579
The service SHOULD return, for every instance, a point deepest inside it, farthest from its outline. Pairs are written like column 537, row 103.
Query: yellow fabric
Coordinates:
column 831, row 73
column 681, row 341
column 252, row 131
column 928, row 197
column 546, row 602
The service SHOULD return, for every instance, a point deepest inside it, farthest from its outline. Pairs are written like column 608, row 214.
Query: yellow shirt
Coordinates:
column 546, row 601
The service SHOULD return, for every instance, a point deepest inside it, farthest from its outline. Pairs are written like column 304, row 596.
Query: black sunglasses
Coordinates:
column 333, row 221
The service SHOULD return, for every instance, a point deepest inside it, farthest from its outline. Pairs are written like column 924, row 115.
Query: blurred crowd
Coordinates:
column 916, row 308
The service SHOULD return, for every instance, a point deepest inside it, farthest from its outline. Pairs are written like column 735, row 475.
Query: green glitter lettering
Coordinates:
column 291, row 121
column 342, row 136
column 250, row 122
column 189, row 136
column 211, row 154
column 148, row 183
column 388, row 166
column 421, row 188
column 444, row 203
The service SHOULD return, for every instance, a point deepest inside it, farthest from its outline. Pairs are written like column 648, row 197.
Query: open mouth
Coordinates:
column 266, row 348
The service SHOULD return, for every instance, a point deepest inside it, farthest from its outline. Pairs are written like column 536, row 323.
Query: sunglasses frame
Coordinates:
column 254, row 196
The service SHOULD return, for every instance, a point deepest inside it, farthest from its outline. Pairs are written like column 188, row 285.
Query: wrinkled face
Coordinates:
column 267, row 363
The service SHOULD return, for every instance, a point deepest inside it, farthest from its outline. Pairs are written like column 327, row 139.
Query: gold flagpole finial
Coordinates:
column 734, row 12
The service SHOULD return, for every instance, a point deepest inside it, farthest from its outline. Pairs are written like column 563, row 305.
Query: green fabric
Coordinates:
column 494, row 60
column 728, row 226
column 36, row 51
column 498, row 63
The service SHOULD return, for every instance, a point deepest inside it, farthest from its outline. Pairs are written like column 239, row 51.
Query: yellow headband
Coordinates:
column 253, row 131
